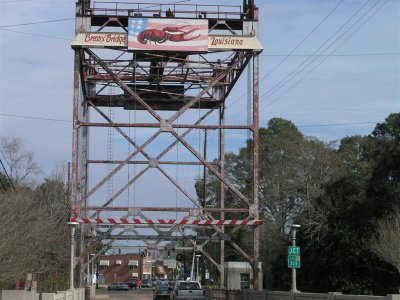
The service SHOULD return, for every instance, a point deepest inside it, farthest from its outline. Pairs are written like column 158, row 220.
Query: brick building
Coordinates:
column 120, row 267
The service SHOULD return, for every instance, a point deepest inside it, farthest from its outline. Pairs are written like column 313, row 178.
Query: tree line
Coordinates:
column 34, row 234
column 345, row 195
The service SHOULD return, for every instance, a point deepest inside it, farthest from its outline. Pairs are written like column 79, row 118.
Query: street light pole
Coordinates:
column 92, row 268
column 72, row 226
column 197, row 267
column 293, row 230
column 192, row 269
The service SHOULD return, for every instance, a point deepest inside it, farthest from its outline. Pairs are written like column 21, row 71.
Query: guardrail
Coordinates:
column 222, row 294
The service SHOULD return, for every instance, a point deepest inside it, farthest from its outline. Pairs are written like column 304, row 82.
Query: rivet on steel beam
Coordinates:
column 153, row 162
column 165, row 126
column 253, row 210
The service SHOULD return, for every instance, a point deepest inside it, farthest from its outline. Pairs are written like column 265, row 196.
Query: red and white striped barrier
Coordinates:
column 134, row 221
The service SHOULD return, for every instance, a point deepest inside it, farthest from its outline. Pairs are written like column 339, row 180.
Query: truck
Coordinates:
column 187, row 290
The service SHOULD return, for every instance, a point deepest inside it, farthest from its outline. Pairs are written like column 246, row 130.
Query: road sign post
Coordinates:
column 294, row 255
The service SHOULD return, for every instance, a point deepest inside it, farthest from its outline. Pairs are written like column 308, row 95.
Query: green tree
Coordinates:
column 293, row 171
column 366, row 192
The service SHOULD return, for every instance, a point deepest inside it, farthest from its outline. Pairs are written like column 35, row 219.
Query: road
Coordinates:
column 139, row 294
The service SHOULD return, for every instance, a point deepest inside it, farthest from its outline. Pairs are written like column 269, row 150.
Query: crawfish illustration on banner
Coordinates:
column 167, row 34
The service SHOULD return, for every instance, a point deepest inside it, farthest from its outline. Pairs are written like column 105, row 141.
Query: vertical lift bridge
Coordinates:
column 120, row 64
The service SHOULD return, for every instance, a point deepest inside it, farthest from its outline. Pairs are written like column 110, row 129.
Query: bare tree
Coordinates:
column 386, row 243
column 34, row 233
column 19, row 162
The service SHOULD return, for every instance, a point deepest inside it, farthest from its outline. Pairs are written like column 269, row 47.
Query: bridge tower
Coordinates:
column 151, row 84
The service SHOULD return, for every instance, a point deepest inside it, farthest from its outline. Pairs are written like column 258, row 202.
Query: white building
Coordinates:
column 239, row 275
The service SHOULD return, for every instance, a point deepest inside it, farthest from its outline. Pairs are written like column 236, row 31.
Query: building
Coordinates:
column 239, row 275
column 120, row 267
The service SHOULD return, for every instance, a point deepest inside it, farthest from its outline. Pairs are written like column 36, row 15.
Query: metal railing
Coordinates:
column 110, row 8
column 223, row 294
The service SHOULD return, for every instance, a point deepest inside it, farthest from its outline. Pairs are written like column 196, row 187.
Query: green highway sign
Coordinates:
column 293, row 264
column 294, row 250
column 293, row 257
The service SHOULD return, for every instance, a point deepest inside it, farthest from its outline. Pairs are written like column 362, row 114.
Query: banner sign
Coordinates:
column 120, row 40
column 168, row 34
column 101, row 39
column 226, row 42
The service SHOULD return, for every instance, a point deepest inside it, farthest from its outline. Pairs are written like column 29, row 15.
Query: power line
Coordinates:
column 343, row 54
column 314, row 125
column 38, row 22
column 296, row 71
column 35, row 118
column 295, row 48
column 304, row 39
column 322, row 61
column 13, row 1
column 337, row 124
column 37, row 34
column 307, row 62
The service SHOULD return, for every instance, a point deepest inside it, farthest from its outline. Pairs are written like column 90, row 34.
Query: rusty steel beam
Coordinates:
column 120, row 166
column 112, row 124
column 222, row 193
column 123, row 86
column 116, row 195
column 194, row 243
column 146, row 162
column 166, row 237
column 212, row 169
column 140, row 149
column 166, row 150
column 214, row 82
column 257, row 285
column 75, row 120
column 155, row 125
column 169, row 209
column 174, row 182
column 155, row 228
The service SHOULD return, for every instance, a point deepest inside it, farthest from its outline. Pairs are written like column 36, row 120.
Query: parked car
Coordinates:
column 154, row 281
column 118, row 286
column 171, row 282
column 134, row 283
column 188, row 290
column 162, row 291
column 162, row 281
column 146, row 283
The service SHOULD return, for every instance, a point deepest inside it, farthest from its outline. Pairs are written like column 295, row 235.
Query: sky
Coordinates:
column 330, row 74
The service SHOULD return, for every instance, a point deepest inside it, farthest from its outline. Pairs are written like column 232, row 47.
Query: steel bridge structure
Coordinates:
column 175, row 93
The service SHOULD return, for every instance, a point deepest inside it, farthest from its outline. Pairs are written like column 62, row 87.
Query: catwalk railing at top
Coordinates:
column 193, row 11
